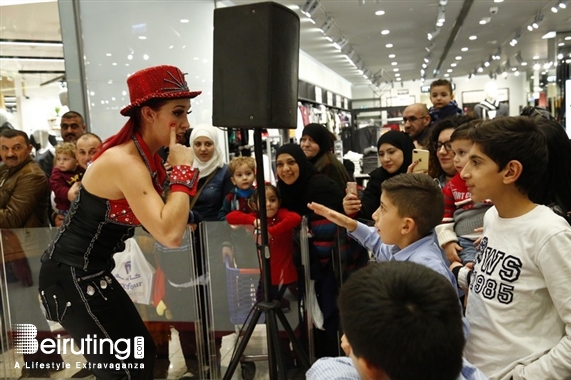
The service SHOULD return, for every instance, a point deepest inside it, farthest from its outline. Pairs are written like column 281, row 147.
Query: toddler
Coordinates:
column 65, row 173
column 462, row 215
column 281, row 224
column 242, row 173
column 443, row 103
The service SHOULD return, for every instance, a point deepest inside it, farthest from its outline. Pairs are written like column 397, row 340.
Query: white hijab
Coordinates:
column 217, row 160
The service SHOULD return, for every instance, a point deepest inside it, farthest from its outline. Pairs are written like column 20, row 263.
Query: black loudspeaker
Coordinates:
column 256, row 59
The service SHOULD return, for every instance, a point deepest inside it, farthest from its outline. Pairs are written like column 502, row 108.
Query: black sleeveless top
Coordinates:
column 94, row 229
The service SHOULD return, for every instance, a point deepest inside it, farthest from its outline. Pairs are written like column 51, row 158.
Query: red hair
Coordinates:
column 121, row 137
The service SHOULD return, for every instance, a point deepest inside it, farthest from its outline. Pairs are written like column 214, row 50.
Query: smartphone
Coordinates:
column 420, row 155
column 352, row 188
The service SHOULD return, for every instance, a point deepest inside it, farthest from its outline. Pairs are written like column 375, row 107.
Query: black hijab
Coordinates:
column 309, row 187
column 320, row 134
column 370, row 200
column 399, row 140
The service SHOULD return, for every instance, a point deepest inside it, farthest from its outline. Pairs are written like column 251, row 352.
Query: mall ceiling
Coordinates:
column 364, row 35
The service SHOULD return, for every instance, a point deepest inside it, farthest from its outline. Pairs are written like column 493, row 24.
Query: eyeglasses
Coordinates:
column 412, row 119
column 438, row 145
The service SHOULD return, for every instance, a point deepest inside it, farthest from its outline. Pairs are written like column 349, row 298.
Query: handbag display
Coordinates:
column 134, row 273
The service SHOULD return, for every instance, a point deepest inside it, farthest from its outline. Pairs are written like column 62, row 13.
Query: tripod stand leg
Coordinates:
column 273, row 334
column 297, row 348
column 242, row 346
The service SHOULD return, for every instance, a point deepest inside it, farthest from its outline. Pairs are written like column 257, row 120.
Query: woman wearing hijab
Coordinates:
column 299, row 183
column 395, row 156
column 213, row 185
column 317, row 145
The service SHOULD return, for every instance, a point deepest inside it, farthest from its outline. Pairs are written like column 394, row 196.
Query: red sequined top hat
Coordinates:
column 158, row 82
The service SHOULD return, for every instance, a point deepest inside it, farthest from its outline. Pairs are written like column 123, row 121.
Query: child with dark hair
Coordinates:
column 281, row 224
column 401, row 321
column 442, row 98
column 242, row 171
column 462, row 216
column 411, row 206
column 519, row 306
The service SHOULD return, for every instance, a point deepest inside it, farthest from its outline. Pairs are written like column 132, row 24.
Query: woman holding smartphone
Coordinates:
column 395, row 155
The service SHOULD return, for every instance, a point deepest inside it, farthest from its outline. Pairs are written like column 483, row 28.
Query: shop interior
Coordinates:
column 361, row 63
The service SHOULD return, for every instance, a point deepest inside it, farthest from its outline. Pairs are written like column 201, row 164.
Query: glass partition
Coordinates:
column 234, row 288
column 170, row 311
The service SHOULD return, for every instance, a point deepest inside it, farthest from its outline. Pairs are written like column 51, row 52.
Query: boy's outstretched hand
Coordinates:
column 333, row 216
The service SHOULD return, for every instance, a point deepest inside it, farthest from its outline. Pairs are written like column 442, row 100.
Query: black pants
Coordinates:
column 95, row 304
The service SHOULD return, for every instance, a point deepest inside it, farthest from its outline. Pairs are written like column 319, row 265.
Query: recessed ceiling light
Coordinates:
column 398, row 79
column 394, row 63
column 385, row 32
column 184, row 21
column 108, row 54
column 484, row 21
column 498, row 1
column 389, row 46
column 449, row 70
column 397, row 74
column 392, row 55
column 453, row 64
column 446, row 75
column 464, row 49
column 561, row 44
column 379, row 13
column 567, row 38
column 458, row 57
column 536, row 57
column 142, row 37
column 395, row 70
column 472, row 38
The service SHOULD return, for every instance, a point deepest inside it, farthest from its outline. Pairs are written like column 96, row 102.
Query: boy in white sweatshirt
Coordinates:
column 519, row 306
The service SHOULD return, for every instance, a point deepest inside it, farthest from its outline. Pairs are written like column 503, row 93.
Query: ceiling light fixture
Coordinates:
column 433, row 34
column 516, row 38
column 340, row 43
column 379, row 13
column 563, row 4
column 310, row 7
column 326, row 25
column 472, row 38
column 42, row 43
column 538, row 20
column 441, row 18
column 36, row 59
column 549, row 35
column 485, row 20
column 554, row 9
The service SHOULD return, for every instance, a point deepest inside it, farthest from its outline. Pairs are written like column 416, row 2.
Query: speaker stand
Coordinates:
column 270, row 308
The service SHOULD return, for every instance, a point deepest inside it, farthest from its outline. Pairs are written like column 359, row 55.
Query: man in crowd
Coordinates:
column 23, row 186
column 72, row 126
column 416, row 121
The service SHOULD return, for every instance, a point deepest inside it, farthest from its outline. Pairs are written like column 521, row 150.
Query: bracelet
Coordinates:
column 184, row 179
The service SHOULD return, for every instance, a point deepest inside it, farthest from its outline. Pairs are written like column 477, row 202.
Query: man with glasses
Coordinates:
column 416, row 122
